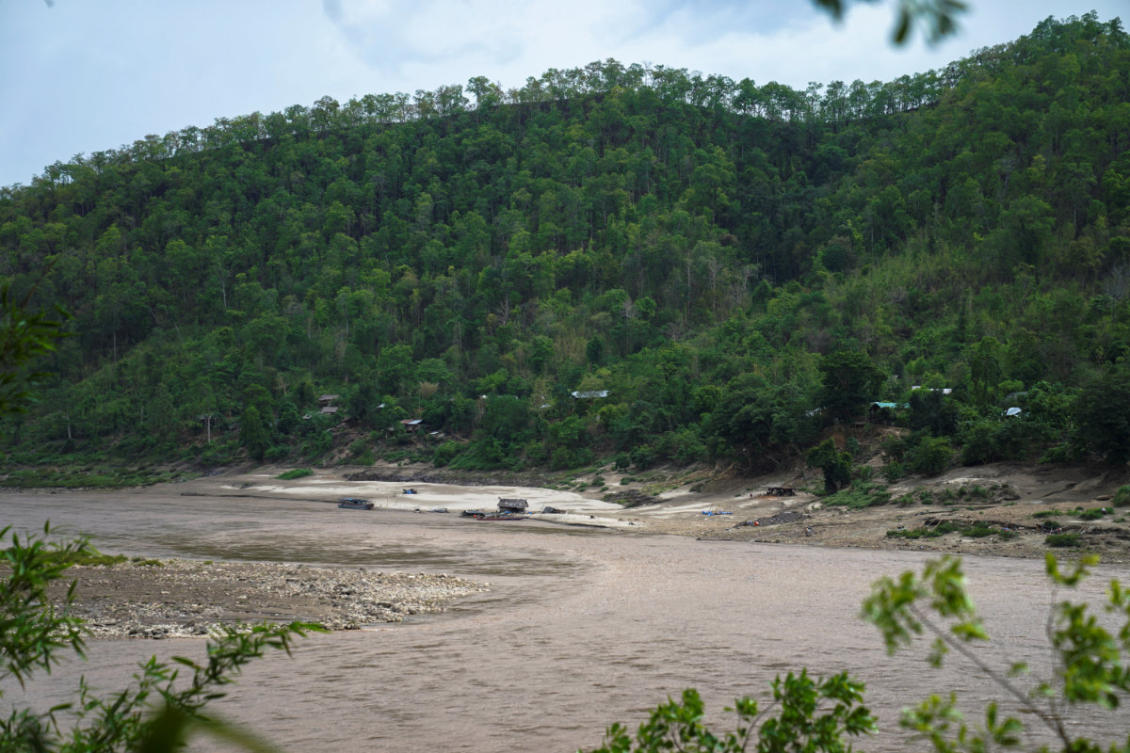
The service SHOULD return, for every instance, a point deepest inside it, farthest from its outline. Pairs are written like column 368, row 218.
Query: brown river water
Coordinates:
column 581, row 627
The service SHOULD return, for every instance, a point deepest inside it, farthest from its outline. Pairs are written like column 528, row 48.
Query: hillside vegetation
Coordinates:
column 716, row 269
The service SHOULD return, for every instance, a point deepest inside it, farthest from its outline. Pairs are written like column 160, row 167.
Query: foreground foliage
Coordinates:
column 1090, row 660
column 812, row 715
column 155, row 713
column 1090, row 669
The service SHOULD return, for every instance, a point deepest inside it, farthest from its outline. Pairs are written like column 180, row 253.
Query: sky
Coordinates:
column 79, row 76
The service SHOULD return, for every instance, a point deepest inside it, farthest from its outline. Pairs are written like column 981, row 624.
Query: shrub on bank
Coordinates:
column 1064, row 540
column 445, row 453
column 860, row 495
column 930, row 456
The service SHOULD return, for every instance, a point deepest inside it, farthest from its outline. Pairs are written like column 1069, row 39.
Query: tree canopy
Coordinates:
column 695, row 250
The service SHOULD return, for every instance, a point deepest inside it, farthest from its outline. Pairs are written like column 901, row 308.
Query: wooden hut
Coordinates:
column 512, row 505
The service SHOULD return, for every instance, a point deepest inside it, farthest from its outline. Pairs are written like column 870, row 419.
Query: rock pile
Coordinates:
column 787, row 516
column 631, row 498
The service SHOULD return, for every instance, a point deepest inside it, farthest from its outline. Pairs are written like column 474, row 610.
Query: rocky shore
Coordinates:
column 180, row 598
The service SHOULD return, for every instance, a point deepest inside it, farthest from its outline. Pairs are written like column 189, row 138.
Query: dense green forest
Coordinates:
column 625, row 263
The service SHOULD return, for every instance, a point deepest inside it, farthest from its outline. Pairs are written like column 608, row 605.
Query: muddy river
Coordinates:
column 581, row 627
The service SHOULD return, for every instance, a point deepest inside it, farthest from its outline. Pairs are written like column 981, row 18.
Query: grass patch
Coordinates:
column 964, row 494
column 972, row 530
column 86, row 478
column 1063, row 540
column 1093, row 513
column 925, row 532
column 859, row 496
column 294, row 473
column 922, row 496
column 394, row 455
column 88, row 556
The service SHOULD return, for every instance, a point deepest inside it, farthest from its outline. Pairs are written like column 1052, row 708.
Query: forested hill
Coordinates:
column 609, row 261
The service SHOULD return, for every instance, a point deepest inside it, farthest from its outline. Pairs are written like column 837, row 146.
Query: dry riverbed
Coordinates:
column 1002, row 509
column 179, row 598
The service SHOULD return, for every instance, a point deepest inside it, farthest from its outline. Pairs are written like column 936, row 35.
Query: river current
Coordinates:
column 581, row 627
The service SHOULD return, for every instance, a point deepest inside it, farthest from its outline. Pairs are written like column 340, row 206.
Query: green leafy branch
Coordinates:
column 32, row 628
column 1088, row 658
column 938, row 16
column 814, row 715
column 154, row 714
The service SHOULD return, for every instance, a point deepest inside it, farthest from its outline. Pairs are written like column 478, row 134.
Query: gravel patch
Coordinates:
column 180, row 598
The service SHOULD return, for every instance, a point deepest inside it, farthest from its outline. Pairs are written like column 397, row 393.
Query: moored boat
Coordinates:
column 498, row 516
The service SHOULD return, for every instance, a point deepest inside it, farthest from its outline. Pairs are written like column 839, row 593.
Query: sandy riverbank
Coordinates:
column 1021, row 505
